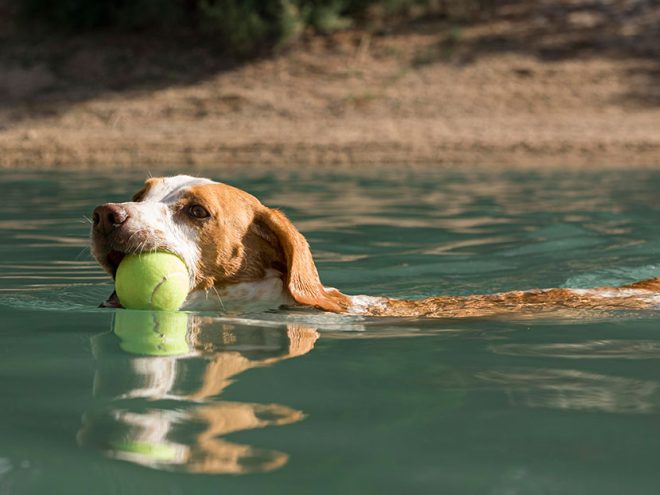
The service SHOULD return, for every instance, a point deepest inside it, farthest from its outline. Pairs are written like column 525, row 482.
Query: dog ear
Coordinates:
column 302, row 279
column 148, row 184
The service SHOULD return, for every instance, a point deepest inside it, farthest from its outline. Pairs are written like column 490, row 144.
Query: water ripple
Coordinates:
column 594, row 349
column 576, row 390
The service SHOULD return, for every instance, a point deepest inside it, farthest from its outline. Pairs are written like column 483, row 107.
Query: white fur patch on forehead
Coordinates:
column 169, row 189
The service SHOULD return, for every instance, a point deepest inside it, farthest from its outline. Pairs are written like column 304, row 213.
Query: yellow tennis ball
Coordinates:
column 156, row 281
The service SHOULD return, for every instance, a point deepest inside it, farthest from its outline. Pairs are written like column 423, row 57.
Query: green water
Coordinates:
column 105, row 402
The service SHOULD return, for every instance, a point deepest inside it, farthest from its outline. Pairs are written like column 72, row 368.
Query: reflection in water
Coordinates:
column 593, row 349
column 188, row 359
column 577, row 390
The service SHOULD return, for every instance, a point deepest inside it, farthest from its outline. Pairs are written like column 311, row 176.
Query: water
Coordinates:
column 98, row 401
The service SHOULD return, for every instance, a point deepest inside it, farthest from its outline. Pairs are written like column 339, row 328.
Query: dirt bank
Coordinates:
column 501, row 91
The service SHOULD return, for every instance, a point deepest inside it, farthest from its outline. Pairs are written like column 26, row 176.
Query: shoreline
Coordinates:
column 412, row 97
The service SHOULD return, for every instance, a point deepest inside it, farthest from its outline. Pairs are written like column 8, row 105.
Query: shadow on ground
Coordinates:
column 43, row 74
column 556, row 31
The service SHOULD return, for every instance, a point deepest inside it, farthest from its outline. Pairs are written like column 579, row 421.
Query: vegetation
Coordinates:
column 242, row 25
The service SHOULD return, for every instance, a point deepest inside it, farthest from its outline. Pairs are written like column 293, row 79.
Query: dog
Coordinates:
column 240, row 252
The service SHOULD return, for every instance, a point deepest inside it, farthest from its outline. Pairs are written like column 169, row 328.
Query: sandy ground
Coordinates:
column 495, row 93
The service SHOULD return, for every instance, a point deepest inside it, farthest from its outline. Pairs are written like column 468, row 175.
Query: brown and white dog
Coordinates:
column 240, row 252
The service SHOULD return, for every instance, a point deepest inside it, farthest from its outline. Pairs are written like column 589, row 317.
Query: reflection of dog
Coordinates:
column 239, row 251
column 186, row 437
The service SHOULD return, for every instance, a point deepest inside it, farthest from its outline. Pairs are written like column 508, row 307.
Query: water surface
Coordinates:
column 294, row 401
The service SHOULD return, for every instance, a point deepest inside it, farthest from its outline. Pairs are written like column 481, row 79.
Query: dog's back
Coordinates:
column 640, row 295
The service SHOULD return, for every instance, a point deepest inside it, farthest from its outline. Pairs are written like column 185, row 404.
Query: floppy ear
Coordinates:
column 302, row 279
column 148, row 184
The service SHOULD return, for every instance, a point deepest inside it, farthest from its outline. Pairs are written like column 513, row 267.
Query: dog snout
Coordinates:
column 109, row 217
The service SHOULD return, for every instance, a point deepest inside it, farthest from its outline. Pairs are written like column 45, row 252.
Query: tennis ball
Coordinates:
column 152, row 281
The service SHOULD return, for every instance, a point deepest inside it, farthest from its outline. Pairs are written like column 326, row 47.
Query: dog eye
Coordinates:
column 197, row 211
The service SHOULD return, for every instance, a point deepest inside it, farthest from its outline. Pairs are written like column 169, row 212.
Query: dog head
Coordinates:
column 224, row 235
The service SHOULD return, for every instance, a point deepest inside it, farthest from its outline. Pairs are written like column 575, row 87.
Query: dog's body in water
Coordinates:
column 240, row 252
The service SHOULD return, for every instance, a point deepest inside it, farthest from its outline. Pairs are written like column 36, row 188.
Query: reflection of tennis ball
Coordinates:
column 152, row 281
column 153, row 333
column 151, row 450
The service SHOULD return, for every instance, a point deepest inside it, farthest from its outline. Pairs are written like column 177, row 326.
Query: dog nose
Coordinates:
column 108, row 217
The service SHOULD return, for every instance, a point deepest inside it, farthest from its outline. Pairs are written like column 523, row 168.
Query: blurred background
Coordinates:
column 329, row 82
